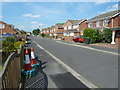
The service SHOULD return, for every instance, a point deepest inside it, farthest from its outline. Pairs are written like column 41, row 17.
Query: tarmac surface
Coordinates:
column 55, row 75
column 98, row 67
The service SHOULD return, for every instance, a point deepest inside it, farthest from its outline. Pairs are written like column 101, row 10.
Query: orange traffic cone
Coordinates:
column 27, row 66
column 33, row 61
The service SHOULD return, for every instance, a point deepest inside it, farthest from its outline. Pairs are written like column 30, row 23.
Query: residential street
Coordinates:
column 57, row 76
column 100, row 68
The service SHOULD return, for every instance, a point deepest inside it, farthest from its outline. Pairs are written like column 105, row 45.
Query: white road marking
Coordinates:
column 113, row 53
column 69, row 69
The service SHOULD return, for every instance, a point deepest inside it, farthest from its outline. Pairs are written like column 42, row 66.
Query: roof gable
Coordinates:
column 105, row 16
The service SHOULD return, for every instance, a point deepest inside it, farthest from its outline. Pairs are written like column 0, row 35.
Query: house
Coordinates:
column 6, row 29
column 28, row 33
column 74, row 28
column 58, row 29
column 107, row 20
column 17, row 30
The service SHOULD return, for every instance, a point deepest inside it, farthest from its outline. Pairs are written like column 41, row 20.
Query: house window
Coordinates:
column 98, row 24
column 2, row 26
column 72, row 34
column 90, row 24
column 65, row 34
column 118, row 34
column 69, row 27
column 105, row 22
column 65, row 28
column 75, row 26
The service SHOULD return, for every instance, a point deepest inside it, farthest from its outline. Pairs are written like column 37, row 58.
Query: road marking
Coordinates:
column 113, row 53
column 69, row 69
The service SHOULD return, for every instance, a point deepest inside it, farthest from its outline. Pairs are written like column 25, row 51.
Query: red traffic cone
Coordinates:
column 33, row 61
column 27, row 66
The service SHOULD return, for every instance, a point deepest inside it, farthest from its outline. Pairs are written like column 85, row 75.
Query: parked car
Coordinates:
column 78, row 39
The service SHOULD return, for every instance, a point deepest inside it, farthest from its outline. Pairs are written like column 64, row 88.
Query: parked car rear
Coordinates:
column 78, row 39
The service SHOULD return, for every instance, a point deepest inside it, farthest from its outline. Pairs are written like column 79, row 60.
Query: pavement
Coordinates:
column 98, row 67
column 101, row 46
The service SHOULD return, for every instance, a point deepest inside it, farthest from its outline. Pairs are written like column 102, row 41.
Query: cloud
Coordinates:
column 22, row 26
column 101, row 2
column 58, row 0
column 31, row 15
column 109, row 9
column 34, row 22
column 37, row 23
column 112, row 8
column 101, row 12
column 97, row 2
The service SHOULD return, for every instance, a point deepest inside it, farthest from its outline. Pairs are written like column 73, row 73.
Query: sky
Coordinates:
column 31, row 15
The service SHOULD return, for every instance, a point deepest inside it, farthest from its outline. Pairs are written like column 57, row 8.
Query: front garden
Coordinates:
column 97, row 36
column 9, row 45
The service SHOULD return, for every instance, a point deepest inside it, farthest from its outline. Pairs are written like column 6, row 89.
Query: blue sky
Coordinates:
column 31, row 15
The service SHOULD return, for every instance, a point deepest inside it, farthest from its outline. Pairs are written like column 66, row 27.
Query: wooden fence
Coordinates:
column 11, row 73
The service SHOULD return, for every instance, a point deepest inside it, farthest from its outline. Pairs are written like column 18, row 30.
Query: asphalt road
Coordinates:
column 57, row 76
column 98, row 67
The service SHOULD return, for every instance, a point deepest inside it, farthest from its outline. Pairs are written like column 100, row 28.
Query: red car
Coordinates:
column 78, row 39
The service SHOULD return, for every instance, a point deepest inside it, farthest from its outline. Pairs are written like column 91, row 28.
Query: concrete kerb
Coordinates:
column 69, row 69
column 87, row 47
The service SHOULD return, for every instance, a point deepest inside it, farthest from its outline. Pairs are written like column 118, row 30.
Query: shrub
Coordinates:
column 10, row 39
column 43, row 35
column 107, row 36
column 94, row 35
column 8, row 46
column 17, row 44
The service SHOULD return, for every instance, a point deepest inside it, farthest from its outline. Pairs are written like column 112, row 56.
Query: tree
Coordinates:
column 36, row 31
column 43, row 35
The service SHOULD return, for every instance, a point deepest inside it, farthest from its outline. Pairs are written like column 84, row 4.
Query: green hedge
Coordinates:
column 96, row 36
column 10, row 44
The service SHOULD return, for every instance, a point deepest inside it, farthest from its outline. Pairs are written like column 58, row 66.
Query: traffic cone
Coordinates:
column 27, row 62
column 28, row 71
column 33, row 61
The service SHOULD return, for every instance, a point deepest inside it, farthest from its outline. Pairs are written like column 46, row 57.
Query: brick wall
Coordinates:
column 68, row 38
column 82, row 26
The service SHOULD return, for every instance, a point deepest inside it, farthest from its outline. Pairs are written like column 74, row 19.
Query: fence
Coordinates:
column 11, row 73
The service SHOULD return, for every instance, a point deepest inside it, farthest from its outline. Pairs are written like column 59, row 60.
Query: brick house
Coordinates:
column 44, row 30
column 107, row 20
column 54, row 31
column 6, row 29
column 17, row 30
column 74, row 28
column 58, row 30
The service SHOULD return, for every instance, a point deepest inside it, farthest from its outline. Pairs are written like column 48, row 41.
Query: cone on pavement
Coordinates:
column 27, row 61
column 33, row 60
column 28, row 70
